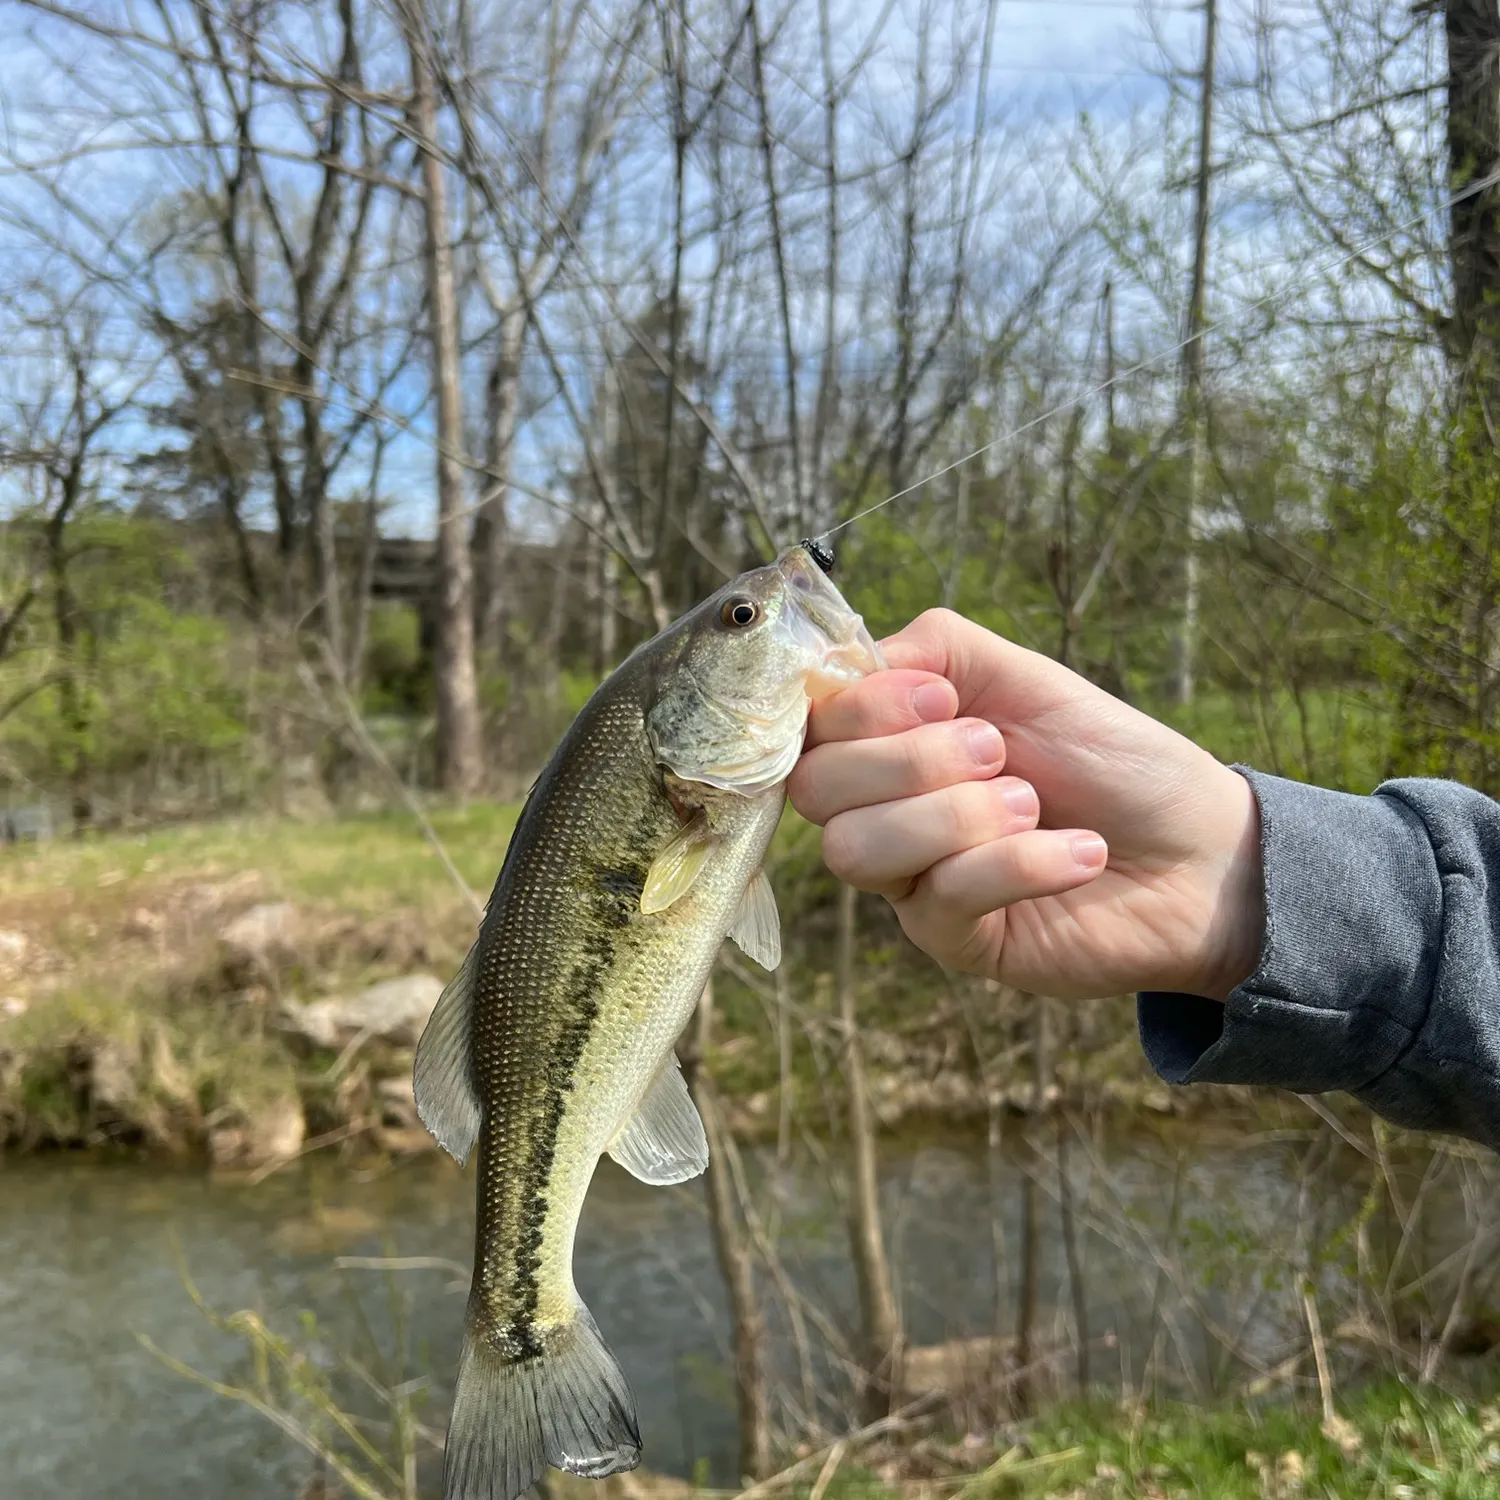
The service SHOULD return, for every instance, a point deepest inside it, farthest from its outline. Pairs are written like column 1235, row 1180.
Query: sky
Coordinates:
column 1051, row 61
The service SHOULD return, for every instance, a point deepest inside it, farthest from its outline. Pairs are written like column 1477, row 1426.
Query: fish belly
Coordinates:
column 649, row 997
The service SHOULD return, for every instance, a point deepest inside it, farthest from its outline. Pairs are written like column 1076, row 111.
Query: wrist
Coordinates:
column 1235, row 911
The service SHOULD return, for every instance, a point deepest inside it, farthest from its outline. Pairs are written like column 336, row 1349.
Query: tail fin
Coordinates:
column 569, row 1407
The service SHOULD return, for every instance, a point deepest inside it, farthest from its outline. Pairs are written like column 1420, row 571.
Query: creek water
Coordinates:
column 93, row 1254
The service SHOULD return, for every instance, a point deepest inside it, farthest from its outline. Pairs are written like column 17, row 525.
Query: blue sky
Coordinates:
column 1052, row 60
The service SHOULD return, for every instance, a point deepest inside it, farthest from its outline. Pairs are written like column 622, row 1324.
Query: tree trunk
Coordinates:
column 460, row 762
column 1192, row 361
column 327, row 586
column 492, row 520
column 732, row 1250
column 880, row 1319
column 71, row 699
column 364, row 585
column 1070, row 1251
column 1031, row 1221
column 1473, row 36
column 231, row 497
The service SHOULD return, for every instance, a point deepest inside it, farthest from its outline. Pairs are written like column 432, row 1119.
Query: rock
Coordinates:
column 275, row 1132
column 398, row 1105
column 397, row 1090
column 403, row 1140
column 957, row 1367
column 204, row 898
column 226, row 1145
column 394, row 1011
column 265, row 936
column 14, row 947
column 279, row 1131
column 114, row 1075
column 144, row 923
column 168, row 1076
column 977, row 1376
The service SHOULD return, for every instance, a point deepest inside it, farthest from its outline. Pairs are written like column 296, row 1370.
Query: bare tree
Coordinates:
column 59, row 416
column 880, row 1318
column 460, row 749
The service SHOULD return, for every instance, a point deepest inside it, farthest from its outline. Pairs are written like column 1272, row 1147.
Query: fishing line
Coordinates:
column 1162, row 355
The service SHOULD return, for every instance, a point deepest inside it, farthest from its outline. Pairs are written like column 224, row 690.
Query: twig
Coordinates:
column 361, row 733
column 898, row 1421
column 1320, row 1350
column 829, row 1469
column 331, row 1138
column 277, row 1418
column 400, row 1263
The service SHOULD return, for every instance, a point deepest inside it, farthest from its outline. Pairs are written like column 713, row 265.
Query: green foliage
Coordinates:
column 1390, row 1440
column 397, row 677
column 158, row 685
column 149, row 680
column 360, row 1416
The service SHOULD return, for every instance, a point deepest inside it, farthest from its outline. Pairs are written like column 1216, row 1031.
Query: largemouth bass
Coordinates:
column 638, row 851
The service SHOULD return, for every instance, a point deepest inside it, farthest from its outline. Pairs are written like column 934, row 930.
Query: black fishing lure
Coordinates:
column 820, row 552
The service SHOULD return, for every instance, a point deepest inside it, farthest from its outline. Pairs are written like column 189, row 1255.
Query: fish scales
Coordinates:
column 639, row 849
column 578, row 998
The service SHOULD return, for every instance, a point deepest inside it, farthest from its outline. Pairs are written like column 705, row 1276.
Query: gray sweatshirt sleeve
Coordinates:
column 1379, row 971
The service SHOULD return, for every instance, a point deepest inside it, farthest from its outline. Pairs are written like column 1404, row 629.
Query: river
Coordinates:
column 93, row 1254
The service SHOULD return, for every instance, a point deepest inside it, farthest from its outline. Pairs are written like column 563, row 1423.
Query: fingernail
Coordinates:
column 1019, row 797
column 933, row 702
column 985, row 744
column 1090, row 850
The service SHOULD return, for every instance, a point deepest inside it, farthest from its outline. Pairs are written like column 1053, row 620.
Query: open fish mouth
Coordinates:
column 818, row 620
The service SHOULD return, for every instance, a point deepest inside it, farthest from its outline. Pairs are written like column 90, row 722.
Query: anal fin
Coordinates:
column 663, row 1142
column 442, row 1075
column 757, row 924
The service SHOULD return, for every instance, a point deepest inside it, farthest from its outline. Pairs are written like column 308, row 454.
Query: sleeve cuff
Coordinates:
column 1353, row 903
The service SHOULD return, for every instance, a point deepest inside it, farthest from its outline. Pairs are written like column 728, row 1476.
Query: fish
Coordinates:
column 639, row 849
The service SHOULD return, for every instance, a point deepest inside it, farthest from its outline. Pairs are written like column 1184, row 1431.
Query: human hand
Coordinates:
column 1112, row 855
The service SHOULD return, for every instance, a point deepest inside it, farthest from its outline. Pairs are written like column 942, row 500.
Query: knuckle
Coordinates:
column 968, row 813
column 941, row 882
column 803, row 789
column 921, row 761
column 877, row 705
column 841, row 847
column 939, row 620
column 916, row 918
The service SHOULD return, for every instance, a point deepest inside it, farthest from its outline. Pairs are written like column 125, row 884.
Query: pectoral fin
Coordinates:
column 664, row 1142
column 674, row 870
column 442, row 1076
column 757, row 925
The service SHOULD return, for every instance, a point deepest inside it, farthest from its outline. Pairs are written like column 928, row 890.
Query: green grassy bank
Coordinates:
column 129, row 1012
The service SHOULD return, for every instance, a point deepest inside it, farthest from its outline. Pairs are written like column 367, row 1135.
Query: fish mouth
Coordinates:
column 819, row 620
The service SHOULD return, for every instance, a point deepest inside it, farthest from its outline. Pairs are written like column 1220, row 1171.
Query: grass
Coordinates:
column 1390, row 1442
column 121, row 946
column 121, row 952
column 366, row 863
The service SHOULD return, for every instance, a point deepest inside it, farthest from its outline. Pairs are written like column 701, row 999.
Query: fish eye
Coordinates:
column 740, row 612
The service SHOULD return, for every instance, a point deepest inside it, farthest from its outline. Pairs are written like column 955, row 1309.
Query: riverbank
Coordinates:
column 1386, row 1439
column 248, row 990
column 361, row 1275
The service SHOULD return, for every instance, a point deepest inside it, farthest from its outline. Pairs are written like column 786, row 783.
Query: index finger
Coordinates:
column 880, row 704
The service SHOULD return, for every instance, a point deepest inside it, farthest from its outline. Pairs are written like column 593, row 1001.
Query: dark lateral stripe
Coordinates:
column 613, row 900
